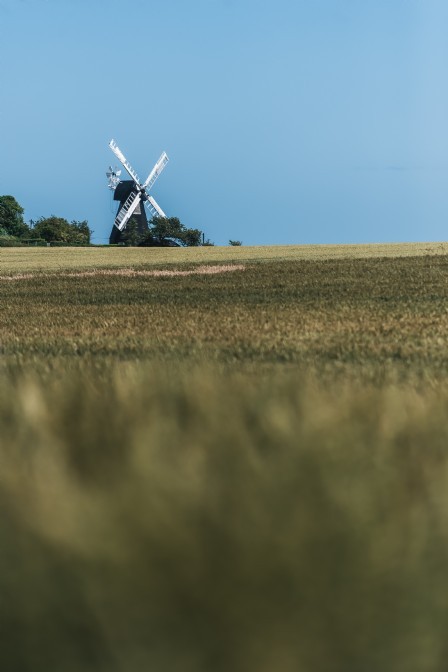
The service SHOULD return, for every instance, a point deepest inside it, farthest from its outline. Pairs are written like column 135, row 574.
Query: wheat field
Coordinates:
column 16, row 260
column 234, row 470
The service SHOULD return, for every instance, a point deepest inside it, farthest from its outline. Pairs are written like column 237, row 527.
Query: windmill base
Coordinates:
column 121, row 193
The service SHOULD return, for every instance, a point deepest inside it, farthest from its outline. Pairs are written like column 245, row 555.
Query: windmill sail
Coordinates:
column 155, row 172
column 123, row 160
column 131, row 194
column 154, row 208
column 127, row 210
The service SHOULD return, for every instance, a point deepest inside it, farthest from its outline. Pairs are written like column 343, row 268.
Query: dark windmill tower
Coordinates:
column 133, row 195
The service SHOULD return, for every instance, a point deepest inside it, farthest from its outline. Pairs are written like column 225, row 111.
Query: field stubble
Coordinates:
column 241, row 471
column 16, row 260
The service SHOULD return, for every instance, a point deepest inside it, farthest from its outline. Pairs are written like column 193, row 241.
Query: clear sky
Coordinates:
column 286, row 121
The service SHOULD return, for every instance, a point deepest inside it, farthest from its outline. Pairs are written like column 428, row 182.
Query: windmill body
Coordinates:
column 132, row 195
column 124, row 191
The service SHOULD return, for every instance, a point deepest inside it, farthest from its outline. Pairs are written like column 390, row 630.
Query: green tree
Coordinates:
column 11, row 217
column 58, row 230
column 162, row 229
column 52, row 229
column 192, row 237
column 235, row 243
column 131, row 236
column 80, row 232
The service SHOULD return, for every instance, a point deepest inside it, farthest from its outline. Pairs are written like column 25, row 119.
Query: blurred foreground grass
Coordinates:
column 237, row 473
column 209, row 522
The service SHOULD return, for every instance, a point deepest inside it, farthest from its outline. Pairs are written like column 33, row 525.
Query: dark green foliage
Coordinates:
column 50, row 229
column 80, row 232
column 162, row 232
column 58, row 230
column 164, row 228
column 10, row 241
column 235, row 243
column 34, row 242
column 131, row 235
column 11, row 218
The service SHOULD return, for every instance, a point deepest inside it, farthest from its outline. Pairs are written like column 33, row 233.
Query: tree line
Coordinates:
column 15, row 231
column 162, row 231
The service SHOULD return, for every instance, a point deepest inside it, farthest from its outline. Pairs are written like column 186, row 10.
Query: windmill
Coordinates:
column 132, row 194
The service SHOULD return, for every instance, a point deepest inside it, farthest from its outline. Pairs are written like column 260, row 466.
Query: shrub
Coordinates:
column 10, row 241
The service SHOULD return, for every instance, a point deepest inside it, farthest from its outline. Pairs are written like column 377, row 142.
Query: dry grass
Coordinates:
column 382, row 317
column 238, row 472
column 20, row 260
column 188, row 522
column 129, row 273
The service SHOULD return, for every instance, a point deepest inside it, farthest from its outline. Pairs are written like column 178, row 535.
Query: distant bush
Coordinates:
column 34, row 242
column 165, row 229
column 235, row 243
column 11, row 217
column 59, row 230
column 10, row 241
column 59, row 243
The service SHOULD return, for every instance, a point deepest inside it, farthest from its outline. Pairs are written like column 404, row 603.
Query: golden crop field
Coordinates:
column 19, row 259
column 229, row 459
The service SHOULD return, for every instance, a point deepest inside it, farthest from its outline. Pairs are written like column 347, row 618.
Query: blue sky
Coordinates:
column 286, row 121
